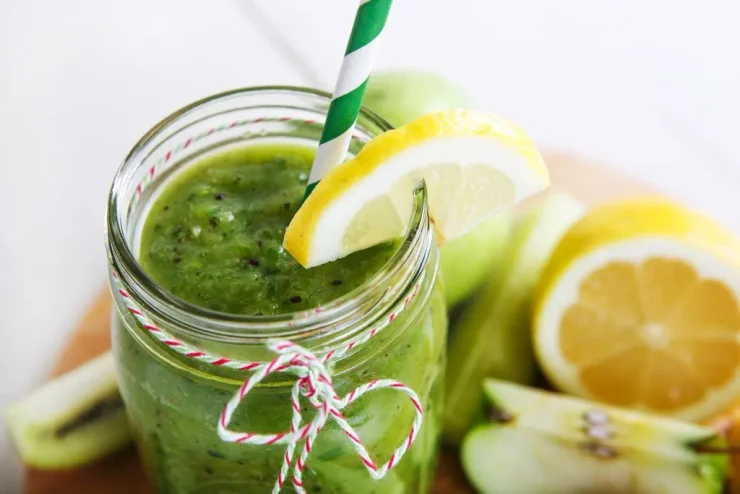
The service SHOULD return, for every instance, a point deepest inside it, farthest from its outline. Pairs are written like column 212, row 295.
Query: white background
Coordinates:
column 649, row 86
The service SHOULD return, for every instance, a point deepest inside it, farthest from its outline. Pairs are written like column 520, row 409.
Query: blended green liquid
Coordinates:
column 213, row 238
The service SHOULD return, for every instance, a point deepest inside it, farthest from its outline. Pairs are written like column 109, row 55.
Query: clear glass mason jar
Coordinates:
column 174, row 402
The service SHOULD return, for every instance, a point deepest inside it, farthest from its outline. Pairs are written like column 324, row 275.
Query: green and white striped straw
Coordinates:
column 344, row 108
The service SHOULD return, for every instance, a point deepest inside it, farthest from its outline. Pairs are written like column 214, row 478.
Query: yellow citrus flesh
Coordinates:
column 473, row 165
column 638, row 307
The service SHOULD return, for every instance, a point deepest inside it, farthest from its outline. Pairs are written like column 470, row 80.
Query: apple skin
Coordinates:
column 468, row 261
column 403, row 95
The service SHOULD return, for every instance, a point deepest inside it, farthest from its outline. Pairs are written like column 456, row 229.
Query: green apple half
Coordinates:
column 491, row 337
column 544, row 443
column 401, row 96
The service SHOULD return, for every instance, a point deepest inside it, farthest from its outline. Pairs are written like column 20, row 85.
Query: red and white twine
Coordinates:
column 314, row 383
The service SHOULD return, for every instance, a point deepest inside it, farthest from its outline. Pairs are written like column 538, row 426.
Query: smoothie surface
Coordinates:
column 214, row 236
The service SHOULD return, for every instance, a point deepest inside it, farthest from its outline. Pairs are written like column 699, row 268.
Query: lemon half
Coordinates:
column 638, row 307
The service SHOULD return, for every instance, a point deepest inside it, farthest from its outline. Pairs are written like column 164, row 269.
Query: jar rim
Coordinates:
column 412, row 254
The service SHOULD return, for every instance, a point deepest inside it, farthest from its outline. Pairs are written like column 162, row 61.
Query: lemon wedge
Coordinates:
column 639, row 307
column 473, row 164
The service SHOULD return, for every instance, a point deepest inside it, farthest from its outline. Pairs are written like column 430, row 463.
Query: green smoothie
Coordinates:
column 213, row 238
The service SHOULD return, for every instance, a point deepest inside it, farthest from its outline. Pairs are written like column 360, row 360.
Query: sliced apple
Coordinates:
column 540, row 442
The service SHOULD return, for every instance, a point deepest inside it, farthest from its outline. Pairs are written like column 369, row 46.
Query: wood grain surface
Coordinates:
column 122, row 474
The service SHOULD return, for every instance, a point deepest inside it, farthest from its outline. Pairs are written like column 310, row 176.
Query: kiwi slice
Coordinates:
column 541, row 442
column 72, row 420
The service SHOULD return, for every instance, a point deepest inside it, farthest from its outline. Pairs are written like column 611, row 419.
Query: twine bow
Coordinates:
column 314, row 382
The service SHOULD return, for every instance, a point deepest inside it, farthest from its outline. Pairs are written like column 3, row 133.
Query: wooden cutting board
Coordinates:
column 122, row 474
